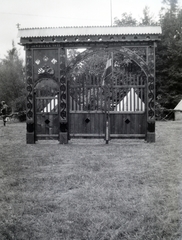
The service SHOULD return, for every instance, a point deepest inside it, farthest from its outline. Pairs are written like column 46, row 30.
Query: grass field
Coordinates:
column 87, row 190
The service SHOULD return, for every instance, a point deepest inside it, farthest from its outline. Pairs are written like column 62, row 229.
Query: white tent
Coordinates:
column 178, row 111
column 131, row 102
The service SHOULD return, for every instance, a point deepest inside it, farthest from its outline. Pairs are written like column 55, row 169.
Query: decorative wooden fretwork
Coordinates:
column 46, row 64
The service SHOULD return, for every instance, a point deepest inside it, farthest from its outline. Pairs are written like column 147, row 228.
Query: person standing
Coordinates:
column 4, row 112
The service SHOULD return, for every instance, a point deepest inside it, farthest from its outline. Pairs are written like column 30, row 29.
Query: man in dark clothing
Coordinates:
column 4, row 112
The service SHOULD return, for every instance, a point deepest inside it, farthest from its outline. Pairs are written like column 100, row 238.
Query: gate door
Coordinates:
column 87, row 113
column 122, row 103
column 46, row 110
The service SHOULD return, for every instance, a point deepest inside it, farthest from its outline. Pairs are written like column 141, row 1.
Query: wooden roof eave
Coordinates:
column 89, row 34
column 89, row 39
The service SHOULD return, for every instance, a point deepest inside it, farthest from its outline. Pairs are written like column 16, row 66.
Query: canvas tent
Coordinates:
column 178, row 111
column 131, row 102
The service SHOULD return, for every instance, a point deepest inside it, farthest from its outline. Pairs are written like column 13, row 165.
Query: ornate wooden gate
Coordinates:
column 126, row 103
column 46, row 94
column 121, row 101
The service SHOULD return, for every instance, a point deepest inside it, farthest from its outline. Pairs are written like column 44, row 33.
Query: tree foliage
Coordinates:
column 168, row 51
column 147, row 18
column 169, row 57
column 173, row 5
column 126, row 20
column 12, row 80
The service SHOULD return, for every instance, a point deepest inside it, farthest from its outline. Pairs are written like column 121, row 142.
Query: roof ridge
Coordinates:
column 66, row 27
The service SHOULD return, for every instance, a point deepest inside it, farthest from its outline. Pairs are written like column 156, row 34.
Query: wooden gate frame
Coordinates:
column 52, row 44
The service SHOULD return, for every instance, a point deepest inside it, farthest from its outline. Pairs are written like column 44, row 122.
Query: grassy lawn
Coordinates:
column 87, row 190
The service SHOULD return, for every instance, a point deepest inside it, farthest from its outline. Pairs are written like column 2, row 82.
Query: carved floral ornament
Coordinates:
column 54, row 61
column 45, row 59
column 46, row 69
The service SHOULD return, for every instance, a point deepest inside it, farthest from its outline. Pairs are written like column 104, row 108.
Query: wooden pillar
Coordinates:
column 30, row 135
column 150, row 135
column 63, row 134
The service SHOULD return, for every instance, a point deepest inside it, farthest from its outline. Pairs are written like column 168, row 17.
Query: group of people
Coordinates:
column 4, row 112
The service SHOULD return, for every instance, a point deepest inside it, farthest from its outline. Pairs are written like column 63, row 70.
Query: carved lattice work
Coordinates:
column 140, row 51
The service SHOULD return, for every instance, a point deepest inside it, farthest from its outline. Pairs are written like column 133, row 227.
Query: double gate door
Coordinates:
column 93, row 106
column 46, row 110
column 121, row 103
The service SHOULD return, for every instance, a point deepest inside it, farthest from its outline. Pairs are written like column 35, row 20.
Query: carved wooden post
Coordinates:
column 30, row 136
column 63, row 134
column 150, row 137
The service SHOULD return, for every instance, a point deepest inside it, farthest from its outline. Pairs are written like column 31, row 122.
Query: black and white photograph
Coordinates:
column 91, row 120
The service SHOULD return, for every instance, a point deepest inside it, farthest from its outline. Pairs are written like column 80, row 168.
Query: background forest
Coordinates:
column 168, row 61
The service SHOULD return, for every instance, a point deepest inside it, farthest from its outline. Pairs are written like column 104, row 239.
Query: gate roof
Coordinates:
column 83, row 33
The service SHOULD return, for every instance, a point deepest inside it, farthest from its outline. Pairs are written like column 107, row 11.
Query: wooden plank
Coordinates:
column 112, row 125
column 91, row 123
column 50, row 98
column 127, row 86
column 142, row 98
column 83, row 95
column 132, row 124
column 80, row 93
column 95, row 123
column 71, row 123
column 100, row 123
column 131, row 104
column 47, row 137
column 134, row 101
column 76, row 135
column 93, row 96
column 87, row 92
column 76, row 97
column 97, row 93
column 127, row 102
column 85, row 112
column 127, row 135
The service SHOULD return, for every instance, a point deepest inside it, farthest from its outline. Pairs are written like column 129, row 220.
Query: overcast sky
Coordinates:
column 57, row 13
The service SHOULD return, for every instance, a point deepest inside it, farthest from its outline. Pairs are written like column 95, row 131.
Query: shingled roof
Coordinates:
column 88, row 31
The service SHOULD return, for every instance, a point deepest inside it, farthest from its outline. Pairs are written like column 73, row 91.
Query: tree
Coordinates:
column 147, row 18
column 126, row 20
column 12, row 80
column 173, row 4
column 169, row 58
column 168, row 52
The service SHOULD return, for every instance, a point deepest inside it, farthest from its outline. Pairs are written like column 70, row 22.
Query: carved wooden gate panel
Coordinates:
column 128, row 112
column 46, row 110
column 87, row 108
column 122, row 102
